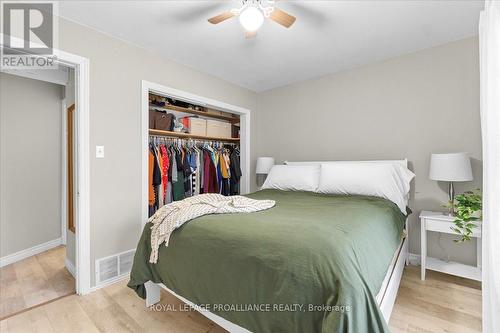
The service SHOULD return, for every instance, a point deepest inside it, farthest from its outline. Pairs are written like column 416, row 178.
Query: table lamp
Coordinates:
column 264, row 164
column 454, row 167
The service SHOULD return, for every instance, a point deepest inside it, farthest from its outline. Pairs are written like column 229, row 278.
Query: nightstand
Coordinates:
column 438, row 222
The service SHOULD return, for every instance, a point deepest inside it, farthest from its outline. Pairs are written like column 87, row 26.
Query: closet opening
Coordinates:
column 191, row 145
column 38, row 196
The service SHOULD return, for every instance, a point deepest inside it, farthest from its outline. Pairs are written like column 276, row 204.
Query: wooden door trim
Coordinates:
column 70, row 116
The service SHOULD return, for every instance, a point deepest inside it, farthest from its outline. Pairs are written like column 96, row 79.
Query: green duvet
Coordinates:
column 313, row 263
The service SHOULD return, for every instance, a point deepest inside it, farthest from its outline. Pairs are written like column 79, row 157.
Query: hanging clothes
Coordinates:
column 178, row 183
column 219, row 173
column 225, row 174
column 206, row 172
column 165, row 166
column 182, row 168
column 151, row 194
column 196, row 173
column 201, row 167
column 187, row 173
column 234, row 181
column 210, row 175
column 156, row 177
column 161, row 197
column 173, row 166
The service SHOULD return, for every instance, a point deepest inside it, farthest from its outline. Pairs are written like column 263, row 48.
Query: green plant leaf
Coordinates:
column 466, row 205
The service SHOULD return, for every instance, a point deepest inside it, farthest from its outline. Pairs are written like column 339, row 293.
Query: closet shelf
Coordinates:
column 191, row 136
column 196, row 112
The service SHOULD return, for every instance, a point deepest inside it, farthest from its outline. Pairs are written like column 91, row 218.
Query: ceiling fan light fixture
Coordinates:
column 251, row 18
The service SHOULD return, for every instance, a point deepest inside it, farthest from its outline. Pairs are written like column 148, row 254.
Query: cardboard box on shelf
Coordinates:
column 198, row 126
column 219, row 129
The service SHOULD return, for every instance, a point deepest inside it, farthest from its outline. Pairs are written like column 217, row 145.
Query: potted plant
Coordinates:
column 467, row 210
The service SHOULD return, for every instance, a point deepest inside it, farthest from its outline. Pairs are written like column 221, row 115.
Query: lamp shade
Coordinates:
column 454, row 167
column 264, row 164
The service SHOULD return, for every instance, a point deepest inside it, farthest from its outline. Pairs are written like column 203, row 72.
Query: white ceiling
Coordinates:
column 327, row 37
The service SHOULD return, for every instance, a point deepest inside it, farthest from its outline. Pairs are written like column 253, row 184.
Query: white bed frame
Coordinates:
column 385, row 298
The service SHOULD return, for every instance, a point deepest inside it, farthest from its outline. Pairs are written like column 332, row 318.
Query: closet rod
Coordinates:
column 191, row 136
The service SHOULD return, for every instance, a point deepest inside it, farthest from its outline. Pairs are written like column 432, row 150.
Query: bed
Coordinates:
column 315, row 262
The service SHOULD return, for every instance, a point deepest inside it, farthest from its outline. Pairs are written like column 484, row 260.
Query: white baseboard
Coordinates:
column 14, row 257
column 110, row 282
column 414, row 259
column 448, row 267
column 70, row 267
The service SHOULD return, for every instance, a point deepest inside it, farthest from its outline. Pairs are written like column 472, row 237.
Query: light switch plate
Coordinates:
column 99, row 151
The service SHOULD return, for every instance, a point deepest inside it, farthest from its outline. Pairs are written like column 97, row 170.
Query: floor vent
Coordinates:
column 113, row 267
column 125, row 261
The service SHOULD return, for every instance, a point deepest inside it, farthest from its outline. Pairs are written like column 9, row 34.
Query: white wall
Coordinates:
column 410, row 106
column 30, row 136
column 116, row 71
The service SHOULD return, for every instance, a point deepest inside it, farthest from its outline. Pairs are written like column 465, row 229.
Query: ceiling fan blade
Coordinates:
column 221, row 17
column 250, row 34
column 280, row 17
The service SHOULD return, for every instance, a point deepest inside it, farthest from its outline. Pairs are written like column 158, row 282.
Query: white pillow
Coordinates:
column 385, row 180
column 293, row 178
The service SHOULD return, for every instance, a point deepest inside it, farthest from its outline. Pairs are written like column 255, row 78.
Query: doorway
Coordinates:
column 82, row 266
column 37, row 262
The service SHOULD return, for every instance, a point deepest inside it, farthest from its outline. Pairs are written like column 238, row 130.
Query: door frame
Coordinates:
column 82, row 166
column 64, row 165
column 244, row 114
column 67, row 180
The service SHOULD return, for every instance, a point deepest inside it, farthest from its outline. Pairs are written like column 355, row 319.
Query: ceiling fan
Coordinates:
column 252, row 14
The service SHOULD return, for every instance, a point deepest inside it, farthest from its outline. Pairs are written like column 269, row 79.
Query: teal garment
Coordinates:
column 178, row 186
column 327, row 255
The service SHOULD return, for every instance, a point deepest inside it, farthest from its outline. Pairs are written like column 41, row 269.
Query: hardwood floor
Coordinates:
column 33, row 281
column 442, row 303
column 115, row 308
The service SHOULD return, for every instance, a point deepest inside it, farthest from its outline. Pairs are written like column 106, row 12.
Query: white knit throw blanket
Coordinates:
column 173, row 215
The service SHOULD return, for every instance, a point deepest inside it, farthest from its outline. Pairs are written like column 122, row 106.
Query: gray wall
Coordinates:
column 30, row 155
column 69, row 99
column 116, row 71
column 408, row 106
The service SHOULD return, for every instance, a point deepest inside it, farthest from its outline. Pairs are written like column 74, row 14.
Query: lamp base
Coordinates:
column 451, row 198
